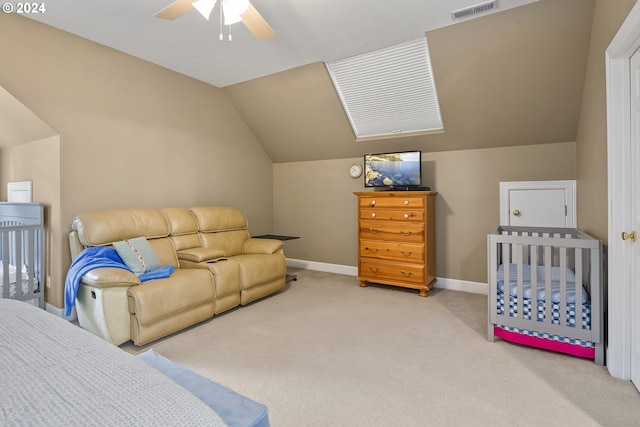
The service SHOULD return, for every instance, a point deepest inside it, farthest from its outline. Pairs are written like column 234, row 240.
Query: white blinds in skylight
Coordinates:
column 389, row 91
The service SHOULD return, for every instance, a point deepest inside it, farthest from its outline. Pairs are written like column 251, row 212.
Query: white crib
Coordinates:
column 22, row 251
column 546, row 289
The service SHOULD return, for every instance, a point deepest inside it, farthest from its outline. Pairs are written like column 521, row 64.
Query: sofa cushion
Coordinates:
column 157, row 299
column 165, row 250
column 138, row 255
column 257, row 269
column 181, row 221
column 230, row 242
column 108, row 226
column 219, row 218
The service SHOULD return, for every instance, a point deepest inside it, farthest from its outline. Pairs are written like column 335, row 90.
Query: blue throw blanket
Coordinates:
column 99, row 257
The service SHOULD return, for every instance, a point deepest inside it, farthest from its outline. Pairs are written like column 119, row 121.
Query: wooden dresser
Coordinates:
column 396, row 239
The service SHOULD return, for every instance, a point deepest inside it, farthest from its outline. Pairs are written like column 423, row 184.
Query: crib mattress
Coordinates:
column 540, row 316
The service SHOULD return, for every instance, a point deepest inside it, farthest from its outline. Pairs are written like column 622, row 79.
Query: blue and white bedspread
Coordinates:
column 54, row 373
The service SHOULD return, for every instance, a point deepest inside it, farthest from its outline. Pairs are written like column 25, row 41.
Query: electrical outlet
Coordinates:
column 48, row 282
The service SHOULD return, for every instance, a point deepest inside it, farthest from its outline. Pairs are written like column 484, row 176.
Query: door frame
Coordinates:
column 569, row 187
column 618, row 54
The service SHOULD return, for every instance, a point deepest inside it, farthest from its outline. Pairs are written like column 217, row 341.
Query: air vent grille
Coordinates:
column 472, row 10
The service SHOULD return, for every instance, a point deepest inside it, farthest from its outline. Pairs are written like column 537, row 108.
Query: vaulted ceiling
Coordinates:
column 305, row 31
column 509, row 78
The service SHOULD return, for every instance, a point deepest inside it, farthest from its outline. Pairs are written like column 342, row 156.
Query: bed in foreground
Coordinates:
column 55, row 373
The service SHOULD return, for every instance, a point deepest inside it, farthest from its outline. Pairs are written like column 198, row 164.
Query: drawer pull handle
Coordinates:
column 406, row 273
column 406, row 233
column 373, row 203
column 372, row 250
column 406, row 216
column 409, row 253
column 406, row 202
column 374, row 271
column 373, row 230
column 373, row 215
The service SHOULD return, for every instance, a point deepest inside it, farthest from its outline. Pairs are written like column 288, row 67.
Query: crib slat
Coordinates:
column 596, row 293
column 519, row 282
column 534, row 282
column 5, row 264
column 563, row 285
column 547, row 283
column 578, row 287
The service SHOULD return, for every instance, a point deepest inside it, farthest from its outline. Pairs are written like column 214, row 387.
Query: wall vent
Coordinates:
column 472, row 10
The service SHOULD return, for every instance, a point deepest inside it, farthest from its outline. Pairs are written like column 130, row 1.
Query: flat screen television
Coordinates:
column 393, row 171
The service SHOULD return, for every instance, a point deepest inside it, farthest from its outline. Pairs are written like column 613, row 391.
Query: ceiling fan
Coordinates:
column 233, row 10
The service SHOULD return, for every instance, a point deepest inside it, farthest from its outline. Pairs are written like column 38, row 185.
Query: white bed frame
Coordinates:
column 566, row 248
column 22, row 243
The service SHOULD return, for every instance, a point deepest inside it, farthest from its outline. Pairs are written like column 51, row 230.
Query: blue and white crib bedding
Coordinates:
column 540, row 309
column 12, row 273
column 556, row 274
column 541, row 315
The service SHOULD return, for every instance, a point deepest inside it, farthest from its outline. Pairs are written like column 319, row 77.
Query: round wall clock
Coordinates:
column 355, row 171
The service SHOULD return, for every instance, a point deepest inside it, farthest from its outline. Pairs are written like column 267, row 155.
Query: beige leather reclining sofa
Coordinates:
column 218, row 266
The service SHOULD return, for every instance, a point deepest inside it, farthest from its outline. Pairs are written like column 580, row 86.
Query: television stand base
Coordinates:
column 407, row 188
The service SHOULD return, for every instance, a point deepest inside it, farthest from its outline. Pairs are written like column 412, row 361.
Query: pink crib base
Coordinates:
column 545, row 344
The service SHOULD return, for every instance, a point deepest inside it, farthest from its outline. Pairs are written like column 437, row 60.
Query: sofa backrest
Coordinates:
column 168, row 230
column 103, row 228
column 183, row 228
column 222, row 227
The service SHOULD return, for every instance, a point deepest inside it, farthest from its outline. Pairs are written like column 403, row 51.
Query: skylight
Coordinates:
column 389, row 92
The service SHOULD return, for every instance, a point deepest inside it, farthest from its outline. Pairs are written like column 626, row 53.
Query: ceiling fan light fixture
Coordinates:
column 204, row 7
column 233, row 9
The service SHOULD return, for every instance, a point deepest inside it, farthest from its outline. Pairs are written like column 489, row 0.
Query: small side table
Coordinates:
column 289, row 277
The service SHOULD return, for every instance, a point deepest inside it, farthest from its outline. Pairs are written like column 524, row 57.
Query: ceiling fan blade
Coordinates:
column 256, row 24
column 175, row 9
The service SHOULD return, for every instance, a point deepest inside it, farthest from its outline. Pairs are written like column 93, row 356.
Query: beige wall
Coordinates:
column 592, row 130
column 504, row 79
column 314, row 200
column 134, row 134
column 39, row 162
column 131, row 133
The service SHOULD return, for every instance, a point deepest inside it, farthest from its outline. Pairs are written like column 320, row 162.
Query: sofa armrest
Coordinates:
column 200, row 254
column 110, row 277
column 262, row 246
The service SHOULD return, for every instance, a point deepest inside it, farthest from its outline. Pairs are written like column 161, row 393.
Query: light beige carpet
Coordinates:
column 326, row 352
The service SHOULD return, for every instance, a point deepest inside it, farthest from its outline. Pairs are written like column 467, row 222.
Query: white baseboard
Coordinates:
column 323, row 266
column 60, row 312
column 462, row 285
column 442, row 283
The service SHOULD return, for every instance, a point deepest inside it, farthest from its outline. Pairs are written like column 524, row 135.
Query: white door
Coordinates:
column 630, row 237
column 537, row 208
column 538, row 203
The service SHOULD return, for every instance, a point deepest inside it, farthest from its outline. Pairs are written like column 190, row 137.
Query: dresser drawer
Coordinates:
column 392, row 214
column 393, row 231
column 408, row 252
column 405, row 201
column 372, row 268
